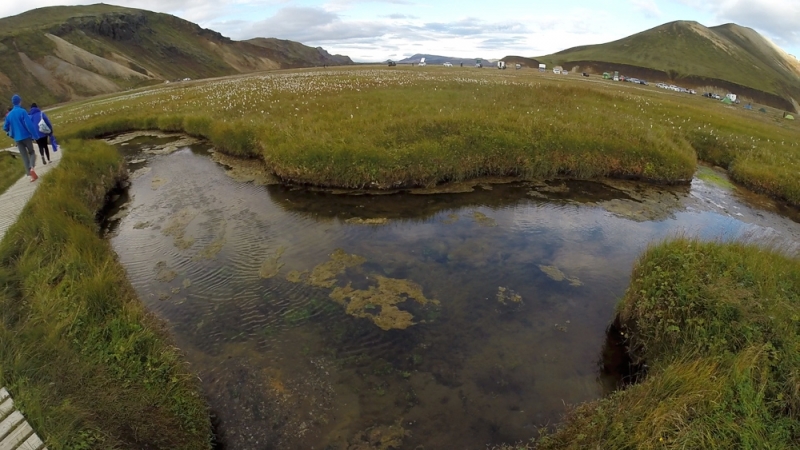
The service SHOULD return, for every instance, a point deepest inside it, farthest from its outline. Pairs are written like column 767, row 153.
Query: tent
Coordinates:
column 762, row 110
column 748, row 106
column 606, row 76
column 727, row 101
column 788, row 117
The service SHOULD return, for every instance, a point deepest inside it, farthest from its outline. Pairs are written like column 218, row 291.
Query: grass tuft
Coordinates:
column 11, row 170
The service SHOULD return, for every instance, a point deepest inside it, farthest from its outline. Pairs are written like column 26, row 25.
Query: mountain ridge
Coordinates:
column 728, row 56
column 62, row 53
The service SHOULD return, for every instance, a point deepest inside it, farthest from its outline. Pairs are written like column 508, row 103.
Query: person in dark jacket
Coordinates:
column 19, row 127
column 40, row 137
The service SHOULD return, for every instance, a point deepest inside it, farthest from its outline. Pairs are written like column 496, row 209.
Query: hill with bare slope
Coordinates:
column 729, row 56
column 62, row 53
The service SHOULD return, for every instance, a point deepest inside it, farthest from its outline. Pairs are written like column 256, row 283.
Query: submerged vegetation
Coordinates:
column 377, row 303
column 382, row 128
column 717, row 326
column 86, row 364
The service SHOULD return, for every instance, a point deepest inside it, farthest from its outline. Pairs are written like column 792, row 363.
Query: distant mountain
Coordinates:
column 57, row 54
column 436, row 59
column 728, row 56
column 295, row 54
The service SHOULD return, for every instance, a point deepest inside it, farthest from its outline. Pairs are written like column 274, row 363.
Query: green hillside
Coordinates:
column 727, row 55
column 57, row 54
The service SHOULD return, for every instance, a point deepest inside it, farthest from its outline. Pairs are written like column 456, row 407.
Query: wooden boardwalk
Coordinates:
column 14, row 199
column 15, row 432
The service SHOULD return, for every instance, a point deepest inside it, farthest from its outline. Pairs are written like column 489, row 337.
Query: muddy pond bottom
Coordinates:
column 443, row 321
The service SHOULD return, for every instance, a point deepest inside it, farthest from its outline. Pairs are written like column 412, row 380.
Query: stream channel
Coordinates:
column 323, row 320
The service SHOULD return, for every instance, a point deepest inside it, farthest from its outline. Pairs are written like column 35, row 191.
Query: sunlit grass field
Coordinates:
column 384, row 128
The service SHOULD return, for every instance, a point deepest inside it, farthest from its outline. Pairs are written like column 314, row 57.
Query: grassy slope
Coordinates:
column 85, row 363
column 11, row 170
column 717, row 325
column 689, row 49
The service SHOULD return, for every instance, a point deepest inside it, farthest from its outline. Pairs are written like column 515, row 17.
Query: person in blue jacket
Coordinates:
column 19, row 127
column 41, row 138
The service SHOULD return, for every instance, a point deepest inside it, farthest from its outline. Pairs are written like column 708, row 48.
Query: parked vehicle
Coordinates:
column 422, row 62
column 585, row 74
column 501, row 65
column 392, row 63
column 517, row 66
column 447, row 64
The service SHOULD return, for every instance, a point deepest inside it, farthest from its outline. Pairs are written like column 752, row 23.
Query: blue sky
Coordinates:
column 376, row 30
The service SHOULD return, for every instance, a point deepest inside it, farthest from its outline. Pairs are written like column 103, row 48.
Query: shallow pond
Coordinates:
column 320, row 320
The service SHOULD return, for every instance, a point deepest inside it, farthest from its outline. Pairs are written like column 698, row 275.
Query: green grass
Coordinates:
column 85, row 363
column 11, row 170
column 719, row 327
column 380, row 128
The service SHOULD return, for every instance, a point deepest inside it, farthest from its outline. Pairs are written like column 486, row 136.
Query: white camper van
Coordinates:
column 501, row 64
column 422, row 62
column 542, row 67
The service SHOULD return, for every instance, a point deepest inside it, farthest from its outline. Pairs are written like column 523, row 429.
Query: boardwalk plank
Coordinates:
column 9, row 423
column 17, row 437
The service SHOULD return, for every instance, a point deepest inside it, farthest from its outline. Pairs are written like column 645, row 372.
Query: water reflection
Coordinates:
column 510, row 343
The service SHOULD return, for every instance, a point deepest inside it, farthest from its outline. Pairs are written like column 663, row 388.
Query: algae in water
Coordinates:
column 324, row 275
column 360, row 221
column 506, row 296
column 157, row 182
column 176, row 227
column 272, row 265
column 379, row 303
column 296, row 276
column 556, row 274
column 483, row 220
column 164, row 273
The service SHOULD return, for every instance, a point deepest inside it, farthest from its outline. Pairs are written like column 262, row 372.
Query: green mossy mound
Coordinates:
column 718, row 326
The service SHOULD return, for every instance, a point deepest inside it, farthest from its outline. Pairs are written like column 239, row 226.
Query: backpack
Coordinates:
column 43, row 128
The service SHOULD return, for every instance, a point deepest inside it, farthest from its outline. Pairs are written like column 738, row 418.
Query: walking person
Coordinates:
column 43, row 129
column 19, row 127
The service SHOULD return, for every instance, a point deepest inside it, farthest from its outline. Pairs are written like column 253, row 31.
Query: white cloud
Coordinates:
column 647, row 7
column 313, row 26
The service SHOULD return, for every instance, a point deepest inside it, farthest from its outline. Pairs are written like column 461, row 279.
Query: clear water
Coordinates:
column 284, row 366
